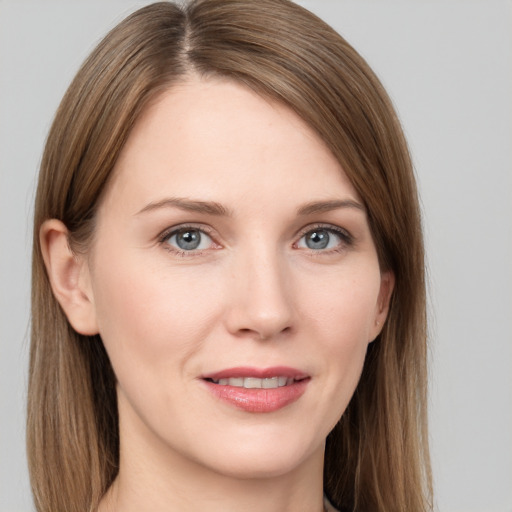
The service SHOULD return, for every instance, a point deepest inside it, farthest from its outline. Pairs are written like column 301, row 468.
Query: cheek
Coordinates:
column 343, row 304
column 341, row 316
column 151, row 314
column 153, row 323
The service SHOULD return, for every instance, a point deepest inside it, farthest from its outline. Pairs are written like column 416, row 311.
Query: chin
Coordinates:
column 259, row 469
column 259, row 460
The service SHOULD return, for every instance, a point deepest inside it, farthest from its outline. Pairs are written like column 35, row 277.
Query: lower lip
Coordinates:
column 259, row 400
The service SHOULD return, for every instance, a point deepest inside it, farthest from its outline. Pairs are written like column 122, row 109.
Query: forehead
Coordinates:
column 218, row 140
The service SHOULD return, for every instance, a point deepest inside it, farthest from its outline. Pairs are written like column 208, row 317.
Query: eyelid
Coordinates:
column 345, row 235
column 168, row 232
column 165, row 235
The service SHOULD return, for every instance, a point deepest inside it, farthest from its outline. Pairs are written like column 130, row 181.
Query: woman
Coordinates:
column 228, row 281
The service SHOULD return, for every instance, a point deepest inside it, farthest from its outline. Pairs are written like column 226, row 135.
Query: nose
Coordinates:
column 260, row 297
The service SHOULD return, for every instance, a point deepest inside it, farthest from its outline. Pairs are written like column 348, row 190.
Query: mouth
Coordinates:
column 257, row 390
column 278, row 381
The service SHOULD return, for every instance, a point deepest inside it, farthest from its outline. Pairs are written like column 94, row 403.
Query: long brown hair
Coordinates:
column 377, row 455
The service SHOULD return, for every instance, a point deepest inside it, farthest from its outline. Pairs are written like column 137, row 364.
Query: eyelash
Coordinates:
column 169, row 233
column 346, row 239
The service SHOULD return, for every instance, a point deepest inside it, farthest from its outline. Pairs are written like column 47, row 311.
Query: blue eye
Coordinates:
column 189, row 239
column 322, row 238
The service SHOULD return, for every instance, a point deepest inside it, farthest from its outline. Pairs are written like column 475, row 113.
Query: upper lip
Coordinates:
column 259, row 373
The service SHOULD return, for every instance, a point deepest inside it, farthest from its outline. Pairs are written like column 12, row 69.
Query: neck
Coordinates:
column 154, row 478
column 200, row 489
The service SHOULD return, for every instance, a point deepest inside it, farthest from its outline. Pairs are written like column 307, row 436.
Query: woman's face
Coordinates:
column 235, row 283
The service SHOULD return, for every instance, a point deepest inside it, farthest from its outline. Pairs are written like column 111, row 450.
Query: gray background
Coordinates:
column 448, row 67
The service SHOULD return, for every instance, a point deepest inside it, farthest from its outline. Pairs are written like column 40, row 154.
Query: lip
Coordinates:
column 258, row 400
column 259, row 373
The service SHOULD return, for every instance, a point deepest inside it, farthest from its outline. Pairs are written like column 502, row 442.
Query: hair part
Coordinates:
column 377, row 455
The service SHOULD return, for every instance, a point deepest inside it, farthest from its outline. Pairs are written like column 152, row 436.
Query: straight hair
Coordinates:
column 377, row 456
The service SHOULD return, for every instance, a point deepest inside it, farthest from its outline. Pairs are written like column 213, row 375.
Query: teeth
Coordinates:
column 252, row 383
column 270, row 383
column 255, row 383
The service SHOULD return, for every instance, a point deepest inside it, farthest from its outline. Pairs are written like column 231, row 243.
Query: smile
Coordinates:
column 257, row 390
column 255, row 383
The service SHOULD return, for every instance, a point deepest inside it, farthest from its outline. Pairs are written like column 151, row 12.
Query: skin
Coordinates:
column 254, row 294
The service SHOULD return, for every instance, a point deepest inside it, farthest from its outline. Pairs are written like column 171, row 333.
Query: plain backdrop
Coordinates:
column 448, row 67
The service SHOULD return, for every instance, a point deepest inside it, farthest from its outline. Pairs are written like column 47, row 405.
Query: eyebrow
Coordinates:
column 326, row 206
column 214, row 208
column 189, row 205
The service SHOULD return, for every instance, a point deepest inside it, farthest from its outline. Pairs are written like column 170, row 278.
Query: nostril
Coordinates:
column 274, row 334
column 263, row 334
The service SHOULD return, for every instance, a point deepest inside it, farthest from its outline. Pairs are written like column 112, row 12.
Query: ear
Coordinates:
column 387, row 284
column 69, row 277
